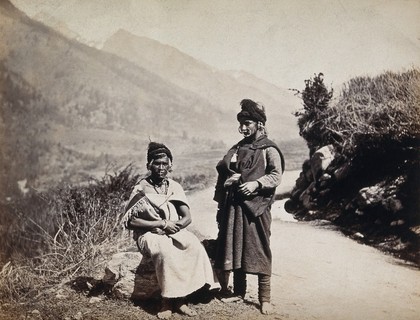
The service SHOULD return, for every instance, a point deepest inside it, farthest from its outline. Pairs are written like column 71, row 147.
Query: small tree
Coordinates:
column 316, row 98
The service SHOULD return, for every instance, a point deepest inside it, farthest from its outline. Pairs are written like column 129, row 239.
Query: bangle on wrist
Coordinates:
column 165, row 224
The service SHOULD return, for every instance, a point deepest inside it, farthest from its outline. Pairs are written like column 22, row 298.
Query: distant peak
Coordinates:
column 125, row 34
column 122, row 31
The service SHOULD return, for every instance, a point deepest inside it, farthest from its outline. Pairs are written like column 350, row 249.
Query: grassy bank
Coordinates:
column 371, row 134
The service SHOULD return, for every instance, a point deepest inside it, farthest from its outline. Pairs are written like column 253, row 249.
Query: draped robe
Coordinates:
column 244, row 222
column 181, row 262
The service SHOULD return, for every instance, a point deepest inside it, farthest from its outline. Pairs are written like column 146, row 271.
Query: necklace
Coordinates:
column 161, row 188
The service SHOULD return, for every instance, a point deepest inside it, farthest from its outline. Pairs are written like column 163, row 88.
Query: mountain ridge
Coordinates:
column 221, row 88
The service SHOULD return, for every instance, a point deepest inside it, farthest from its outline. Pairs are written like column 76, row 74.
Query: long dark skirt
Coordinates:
column 244, row 241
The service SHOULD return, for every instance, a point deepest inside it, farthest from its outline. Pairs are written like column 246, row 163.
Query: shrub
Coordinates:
column 369, row 113
column 316, row 98
column 374, row 111
column 68, row 231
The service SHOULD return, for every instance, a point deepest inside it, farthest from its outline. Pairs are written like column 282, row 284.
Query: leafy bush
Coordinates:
column 316, row 98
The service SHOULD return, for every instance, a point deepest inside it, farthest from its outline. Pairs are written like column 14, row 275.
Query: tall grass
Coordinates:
column 63, row 232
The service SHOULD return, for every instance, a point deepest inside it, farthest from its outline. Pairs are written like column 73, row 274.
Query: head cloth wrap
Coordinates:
column 155, row 151
column 251, row 111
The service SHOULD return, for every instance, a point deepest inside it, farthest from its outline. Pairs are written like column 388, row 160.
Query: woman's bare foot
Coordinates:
column 182, row 308
column 266, row 308
column 166, row 310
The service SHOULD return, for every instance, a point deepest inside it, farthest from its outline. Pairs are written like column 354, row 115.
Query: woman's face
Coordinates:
column 248, row 128
column 159, row 168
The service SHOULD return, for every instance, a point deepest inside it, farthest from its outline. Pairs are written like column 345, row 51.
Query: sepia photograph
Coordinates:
column 209, row 159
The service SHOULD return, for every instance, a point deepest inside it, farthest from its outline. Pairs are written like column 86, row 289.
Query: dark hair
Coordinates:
column 157, row 150
column 251, row 110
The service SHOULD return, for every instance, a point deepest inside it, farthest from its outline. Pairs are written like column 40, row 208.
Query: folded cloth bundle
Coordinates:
column 141, row 207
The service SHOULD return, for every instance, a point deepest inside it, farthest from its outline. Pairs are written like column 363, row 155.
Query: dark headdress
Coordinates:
column 252, row 111
column 156, row 150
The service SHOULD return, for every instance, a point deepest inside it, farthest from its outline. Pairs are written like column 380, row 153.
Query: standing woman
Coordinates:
column 247, row 178
column 158, row 212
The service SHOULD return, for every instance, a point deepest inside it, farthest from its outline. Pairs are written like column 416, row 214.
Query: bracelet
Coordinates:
column 165, row 225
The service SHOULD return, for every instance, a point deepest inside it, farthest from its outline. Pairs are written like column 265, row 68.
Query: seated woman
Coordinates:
column 158, row 213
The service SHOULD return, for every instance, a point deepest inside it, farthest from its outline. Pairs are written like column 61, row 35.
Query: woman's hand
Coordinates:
column 158, row 231
column 171, row 227
column 248, row 188
column 232, row 180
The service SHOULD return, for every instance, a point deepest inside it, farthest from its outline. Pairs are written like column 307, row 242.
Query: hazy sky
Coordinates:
column 283, row 41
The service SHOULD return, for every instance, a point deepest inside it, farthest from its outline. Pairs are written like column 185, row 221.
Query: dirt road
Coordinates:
column 320, row 274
